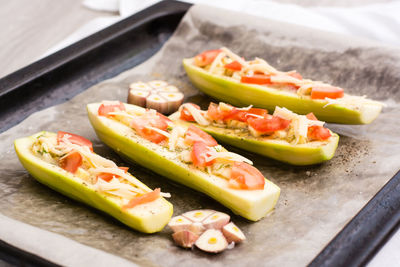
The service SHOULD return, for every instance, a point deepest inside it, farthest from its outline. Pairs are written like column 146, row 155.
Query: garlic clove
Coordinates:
column 198, row 215
column 174, row 99
column 185, row 238
column 179, row 223
column 140, row 86
column 233, row 233
column 138, row 97
column 157, row 102
column 212, row 241
column 216, row 220
column 158, row 84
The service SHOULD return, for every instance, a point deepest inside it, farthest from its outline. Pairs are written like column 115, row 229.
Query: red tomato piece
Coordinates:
column 326, row 91
column 215, row 113
column 108, row 176
column 243, row 115
column 186, row 115
column 245, row 176
column 268, row 124
column 71, row 161
column 236, row 114
column 296, row 75
column 206, row 58
column 311, row 116
column 74, row 139
column 256, row 79
column 199, row 151
column 235, row 65
column 104, row 109
column 160, row 122
column 148, row 197
column 318, row 133
column 194, row 134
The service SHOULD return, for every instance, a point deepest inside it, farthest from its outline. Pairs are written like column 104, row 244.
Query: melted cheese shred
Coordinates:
column 196, row 113
column 212, row 154
column 299, row 123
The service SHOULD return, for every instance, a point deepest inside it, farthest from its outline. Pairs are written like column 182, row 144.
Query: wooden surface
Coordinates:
column 28, row 28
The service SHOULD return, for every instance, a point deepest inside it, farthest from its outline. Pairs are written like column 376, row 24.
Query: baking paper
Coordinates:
column 316, row 201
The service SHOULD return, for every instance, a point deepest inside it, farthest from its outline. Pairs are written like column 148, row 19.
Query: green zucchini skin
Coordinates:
column 250, row 204
column 141, row 218
column 282, row 151
column 242, row 94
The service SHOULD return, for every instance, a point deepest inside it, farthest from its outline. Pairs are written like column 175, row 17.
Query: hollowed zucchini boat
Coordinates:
column 251, row 204
column 234, row 84
column 272, row 145
column 147, row 217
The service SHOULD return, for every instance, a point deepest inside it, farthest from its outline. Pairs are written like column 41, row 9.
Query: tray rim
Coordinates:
column 354, row 245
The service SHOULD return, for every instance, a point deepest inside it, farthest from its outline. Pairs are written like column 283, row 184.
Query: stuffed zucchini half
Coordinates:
column 186, row 155
column 284, row 136
column 228, row 77
column 66, row 163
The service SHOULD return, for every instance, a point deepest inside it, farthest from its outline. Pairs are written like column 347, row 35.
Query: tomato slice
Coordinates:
column 186, row 115
column 148, row 197
column 74, row 139
column 268, row 124
column 235, row 65
column 256, row 79
column 159, row 121
column 71, row 161
column 245, row 176
column 318, row 133
column 243, row 115
column 215, row 113
column 296, row 75
column 311, row 116
column 104, row 109
column 108, row 176
column 332, row 92
column 194, row 134
column 199, row 150
column 206, row 58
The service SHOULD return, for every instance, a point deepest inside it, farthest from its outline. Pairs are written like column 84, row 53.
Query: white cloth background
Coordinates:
column 379, row 22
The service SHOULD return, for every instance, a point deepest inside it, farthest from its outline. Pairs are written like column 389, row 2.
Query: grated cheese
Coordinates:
column 212, row 154
column 216, row 61
column 166, row 134
column 198, row 117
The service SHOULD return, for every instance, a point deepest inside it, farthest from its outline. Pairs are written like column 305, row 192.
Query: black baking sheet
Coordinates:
column 63, row 75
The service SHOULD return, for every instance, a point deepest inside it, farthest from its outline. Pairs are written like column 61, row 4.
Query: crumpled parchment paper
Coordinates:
column 316, row 201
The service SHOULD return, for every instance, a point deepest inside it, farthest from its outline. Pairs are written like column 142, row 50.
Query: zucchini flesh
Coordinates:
column 241, row 94
column 250, row 204
column 302, row 154
column 147, row 218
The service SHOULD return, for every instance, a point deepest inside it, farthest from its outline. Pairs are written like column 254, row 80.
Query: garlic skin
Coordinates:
column 157, row 95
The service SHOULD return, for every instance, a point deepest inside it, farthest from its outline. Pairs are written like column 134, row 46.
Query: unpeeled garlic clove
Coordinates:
column 212, row 241
column 138, row 97
column 174, row 99
column 157, row 102
column 179, row 223
column 185, row 238
column 169, row 89
column 233, row 233
column 140, row 86
column 197, row 228
column 158, row 84
column 216, row 220
column 198, row 215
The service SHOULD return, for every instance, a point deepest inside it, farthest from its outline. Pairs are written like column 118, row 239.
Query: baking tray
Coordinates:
column 59, row 77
